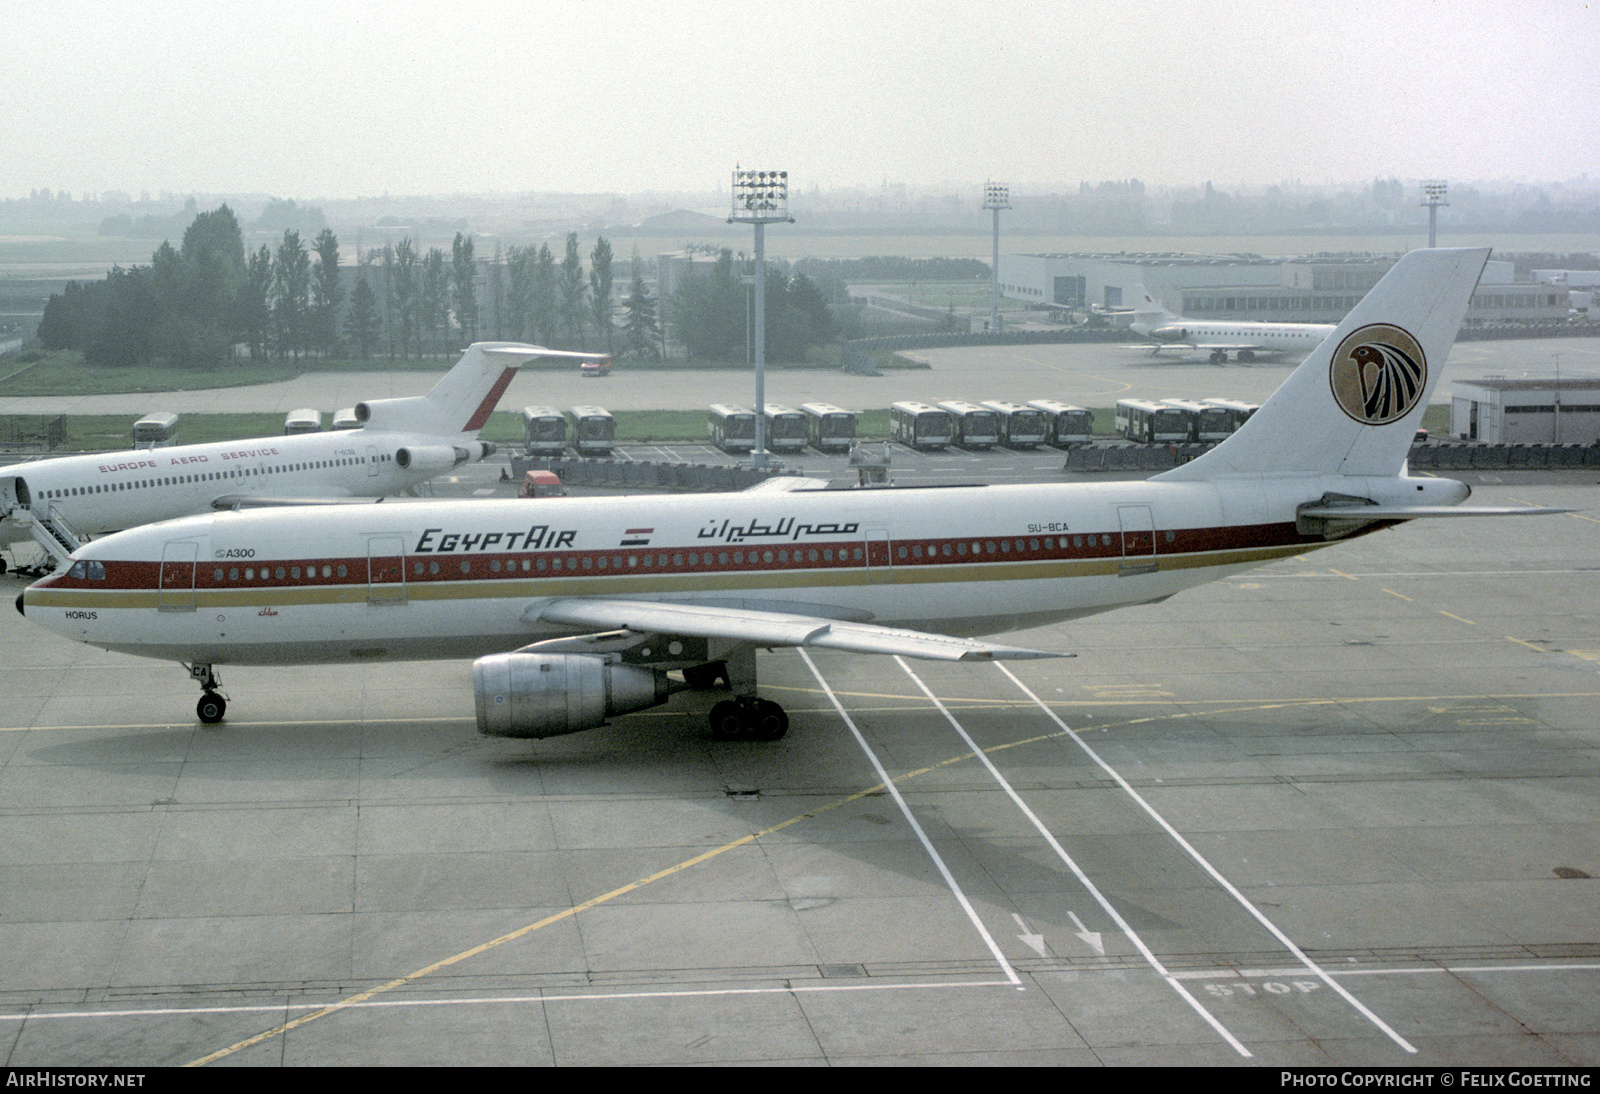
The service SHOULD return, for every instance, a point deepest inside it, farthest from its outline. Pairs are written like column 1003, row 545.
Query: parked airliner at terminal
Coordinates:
column 579, row 611
column 1245, row 340
column 401, row 442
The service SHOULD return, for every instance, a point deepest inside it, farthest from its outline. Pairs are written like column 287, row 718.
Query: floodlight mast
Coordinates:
column 760, row 198
column 1435, row 192
column 996, row 197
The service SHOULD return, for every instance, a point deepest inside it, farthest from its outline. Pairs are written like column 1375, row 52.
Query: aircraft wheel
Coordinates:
column 770, row 723
column 211, row 708
column 1218, row 357
column 728, row 721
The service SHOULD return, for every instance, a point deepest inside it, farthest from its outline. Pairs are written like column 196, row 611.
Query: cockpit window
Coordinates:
column 88, row 571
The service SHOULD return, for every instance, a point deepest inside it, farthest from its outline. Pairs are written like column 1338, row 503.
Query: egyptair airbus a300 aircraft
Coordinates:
column 402, row 442
column 1245, row 340
column 576, row 610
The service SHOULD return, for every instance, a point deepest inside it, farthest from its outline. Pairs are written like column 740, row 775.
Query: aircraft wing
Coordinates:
column 786, row 484
column 762, row 628
column 1235, row 347
column 235, row 502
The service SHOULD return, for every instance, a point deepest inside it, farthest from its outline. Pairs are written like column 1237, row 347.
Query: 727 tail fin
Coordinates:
column 1354, row 405
column 460, row 403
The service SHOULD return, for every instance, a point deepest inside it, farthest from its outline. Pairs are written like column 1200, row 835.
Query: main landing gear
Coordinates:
column 748, row 719
column 745, row 717
column 213, row 704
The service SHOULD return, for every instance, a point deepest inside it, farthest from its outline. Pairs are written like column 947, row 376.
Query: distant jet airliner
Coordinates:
column 1244, row 340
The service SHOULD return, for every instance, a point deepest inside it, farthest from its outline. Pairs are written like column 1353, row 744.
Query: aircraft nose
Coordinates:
column 19, row 605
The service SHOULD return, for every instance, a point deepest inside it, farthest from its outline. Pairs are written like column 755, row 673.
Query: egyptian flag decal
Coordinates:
column 637, row 537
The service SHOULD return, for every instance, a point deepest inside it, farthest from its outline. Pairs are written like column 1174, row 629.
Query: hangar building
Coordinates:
column 1539, row 411
column 1318, row 289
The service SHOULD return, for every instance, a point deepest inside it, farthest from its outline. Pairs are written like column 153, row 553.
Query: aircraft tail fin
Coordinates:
column 1354, row 405
column 1149, row 313
column 460, row 403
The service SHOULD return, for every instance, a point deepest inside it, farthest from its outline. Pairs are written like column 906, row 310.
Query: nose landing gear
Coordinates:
column 213, row 704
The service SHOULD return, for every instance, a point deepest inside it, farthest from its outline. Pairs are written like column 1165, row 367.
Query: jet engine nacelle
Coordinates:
column 548, row 694
column 394, row 415
column 430, row 458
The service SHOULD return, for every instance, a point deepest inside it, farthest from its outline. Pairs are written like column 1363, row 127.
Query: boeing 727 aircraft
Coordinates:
column 579, row 611
column 402, row 442
column 1244, row 340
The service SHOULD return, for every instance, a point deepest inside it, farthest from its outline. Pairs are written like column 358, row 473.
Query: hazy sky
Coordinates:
column 330, row 99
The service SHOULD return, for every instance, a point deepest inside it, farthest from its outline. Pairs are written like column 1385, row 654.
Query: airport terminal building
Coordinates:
column 1232, row 287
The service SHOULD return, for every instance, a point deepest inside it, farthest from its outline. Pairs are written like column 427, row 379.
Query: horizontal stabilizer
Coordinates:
column 1416, row 512
column 760, row 628
column 532, row 353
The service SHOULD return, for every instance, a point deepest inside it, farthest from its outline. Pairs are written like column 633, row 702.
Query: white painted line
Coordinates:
column 492, row 1000
column 1453, row 970
column 1077, row 871
column 927, row 845
column 1216, row 875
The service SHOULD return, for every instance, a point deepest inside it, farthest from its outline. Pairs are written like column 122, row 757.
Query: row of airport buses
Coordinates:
column 591, row 430
column 1180, row 421
column 823, row 426
column 979, row 426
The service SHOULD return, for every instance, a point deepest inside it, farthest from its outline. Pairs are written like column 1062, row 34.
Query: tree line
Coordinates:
column 194, row 303
column 199, row 304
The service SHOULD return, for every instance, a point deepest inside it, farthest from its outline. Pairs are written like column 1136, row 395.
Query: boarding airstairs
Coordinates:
column 49, row 529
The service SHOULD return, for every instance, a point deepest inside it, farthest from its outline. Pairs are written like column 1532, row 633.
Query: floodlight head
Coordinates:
column 996, row 196
column 1435, row 192
column 760, row 197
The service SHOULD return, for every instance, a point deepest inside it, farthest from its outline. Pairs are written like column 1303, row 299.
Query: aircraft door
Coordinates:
column 13, row 492
column 880, row 567
column 1138, row 540
column 372, row 461
column 386, row 570
column 178, row 561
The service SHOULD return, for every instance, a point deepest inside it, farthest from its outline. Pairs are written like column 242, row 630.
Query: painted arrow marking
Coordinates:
column 1034, row 942
column 1088, row 937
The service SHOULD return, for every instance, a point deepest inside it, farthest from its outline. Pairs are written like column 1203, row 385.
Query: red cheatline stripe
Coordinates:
column 481, row 416
column 665, row 560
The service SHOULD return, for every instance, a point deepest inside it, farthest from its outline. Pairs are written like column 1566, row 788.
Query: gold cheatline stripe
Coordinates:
column 504, row 588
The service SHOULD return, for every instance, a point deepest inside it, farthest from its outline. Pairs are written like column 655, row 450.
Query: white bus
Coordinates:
column 785, row 429
column 346, row 419
column 731, row 428
column 1238, row 412
column 1020, row 426
column 918, row 425
column 1206, row 423
column 829, row 428
column 158, row 429
column 594, row 431
column 305, row 420
column 545, row 430
column 1070, row 426
column 1151, row 423
column 972, row 426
